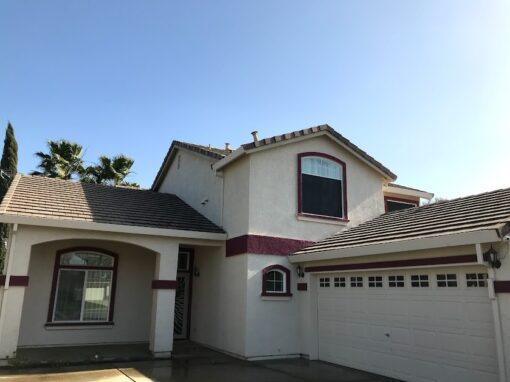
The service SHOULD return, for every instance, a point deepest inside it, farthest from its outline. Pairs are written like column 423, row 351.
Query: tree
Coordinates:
column 8, row 167
column 64, row 160
column 110, row 171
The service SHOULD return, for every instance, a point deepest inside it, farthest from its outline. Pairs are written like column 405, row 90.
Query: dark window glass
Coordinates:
column 395, row 206
column 275, row 281
column 69, row 295
column 321, row 196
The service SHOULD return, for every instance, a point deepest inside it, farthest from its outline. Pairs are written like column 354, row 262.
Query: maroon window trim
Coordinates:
column 395, row 263
column 345, row 218
column 281, row 268
column 56, row 270
column 398, row 200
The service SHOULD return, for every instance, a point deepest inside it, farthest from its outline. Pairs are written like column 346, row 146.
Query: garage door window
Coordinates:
column 476, row 279
column 420, row 281
column 396, row 281
column 324, row 282
column 375, row 282
column 339, row 282
column 356, row 282
column 446, row 280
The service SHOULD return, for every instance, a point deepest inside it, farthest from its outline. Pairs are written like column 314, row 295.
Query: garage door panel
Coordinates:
column 416, row 334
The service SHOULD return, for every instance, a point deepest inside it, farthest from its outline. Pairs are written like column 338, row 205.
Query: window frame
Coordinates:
column 411, row 203
column 286, row 282
column 343, row 167
column 56, row 272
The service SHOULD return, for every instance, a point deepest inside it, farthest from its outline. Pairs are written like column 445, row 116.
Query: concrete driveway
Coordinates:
column 202, row 365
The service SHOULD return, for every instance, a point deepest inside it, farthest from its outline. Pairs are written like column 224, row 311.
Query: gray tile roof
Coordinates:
column 37, row 196
column 490, row 210
column 315, row 130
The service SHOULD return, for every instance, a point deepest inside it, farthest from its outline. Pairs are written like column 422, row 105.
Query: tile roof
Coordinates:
column 211, row 152
column 490, row 210
column 315, row 130
column 41, row 197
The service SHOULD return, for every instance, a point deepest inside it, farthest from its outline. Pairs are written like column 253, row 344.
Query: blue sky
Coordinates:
column 423, row 86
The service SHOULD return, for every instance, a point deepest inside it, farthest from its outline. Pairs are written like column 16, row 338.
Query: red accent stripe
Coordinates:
column 264, row 245
column 502, row 286
column 164, row 284
column 302, row 286
column 15, row 280
column 396, row 263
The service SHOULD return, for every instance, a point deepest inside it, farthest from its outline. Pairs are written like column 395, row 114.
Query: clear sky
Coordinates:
column 423, row 86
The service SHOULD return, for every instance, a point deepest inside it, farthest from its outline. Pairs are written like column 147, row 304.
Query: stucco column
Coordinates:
column 163, row 301
column 16, row 281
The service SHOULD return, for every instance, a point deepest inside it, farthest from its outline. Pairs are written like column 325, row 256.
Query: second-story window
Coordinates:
column 322, row 186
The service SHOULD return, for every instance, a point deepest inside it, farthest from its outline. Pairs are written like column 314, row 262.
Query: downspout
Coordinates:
column 498, row 329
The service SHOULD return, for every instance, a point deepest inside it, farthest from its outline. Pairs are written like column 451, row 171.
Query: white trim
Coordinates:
column 439, row 241
column 92, row 226
column 407, row 192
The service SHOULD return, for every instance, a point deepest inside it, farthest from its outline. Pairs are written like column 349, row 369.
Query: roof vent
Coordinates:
column 227, row 147
column 255, row 137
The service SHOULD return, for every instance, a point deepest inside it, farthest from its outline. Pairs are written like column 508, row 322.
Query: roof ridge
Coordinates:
column 92, row 185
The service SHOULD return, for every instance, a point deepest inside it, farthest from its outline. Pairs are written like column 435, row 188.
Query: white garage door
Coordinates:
column 415, row 325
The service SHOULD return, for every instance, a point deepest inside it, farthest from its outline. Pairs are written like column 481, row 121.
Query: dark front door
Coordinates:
column 183, row 294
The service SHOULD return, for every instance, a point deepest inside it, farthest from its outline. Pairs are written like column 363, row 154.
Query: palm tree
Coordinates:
column 110, row 171
column 63, row 161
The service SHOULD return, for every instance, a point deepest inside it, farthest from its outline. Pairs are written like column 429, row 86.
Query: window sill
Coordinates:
column 78, row 325
column 274, row 297
column 322, row 219
column 272, row 294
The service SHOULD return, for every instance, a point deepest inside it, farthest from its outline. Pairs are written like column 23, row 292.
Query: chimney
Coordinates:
column 227, row 147
column 255, row 137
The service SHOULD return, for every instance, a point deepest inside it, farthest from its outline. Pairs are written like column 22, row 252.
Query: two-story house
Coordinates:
column 300, row 245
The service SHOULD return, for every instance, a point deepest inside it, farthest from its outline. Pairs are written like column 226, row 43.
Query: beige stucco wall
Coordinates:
column 193, row 180
column 218, row 311
column 274, row 196
column 503, row 273
column 133, row 297
column 236, row 212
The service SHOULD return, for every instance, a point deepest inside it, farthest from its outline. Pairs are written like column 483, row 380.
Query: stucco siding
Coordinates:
column 274, row 196
column 218, row 310
column 191, row 178
column 237, row 197
column 133, row 298
column 272, row 324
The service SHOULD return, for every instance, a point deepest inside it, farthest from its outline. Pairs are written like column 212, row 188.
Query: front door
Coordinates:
column 182, row 294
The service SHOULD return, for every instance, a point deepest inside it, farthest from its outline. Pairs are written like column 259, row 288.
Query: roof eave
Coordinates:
column 119, row 228
column 488, row 235
column 408, row 192
column 218, row 166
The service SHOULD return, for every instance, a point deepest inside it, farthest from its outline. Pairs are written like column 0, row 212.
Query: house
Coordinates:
column 300, row 245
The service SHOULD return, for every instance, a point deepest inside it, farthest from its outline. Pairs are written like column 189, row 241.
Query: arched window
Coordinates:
column 83, row 287
column 276, row 281
column 322, row 186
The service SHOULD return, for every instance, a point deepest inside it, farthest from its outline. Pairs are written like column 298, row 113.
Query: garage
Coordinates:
column 421, row 324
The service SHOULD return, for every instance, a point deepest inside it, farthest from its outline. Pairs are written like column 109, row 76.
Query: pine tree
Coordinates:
column 8, row 167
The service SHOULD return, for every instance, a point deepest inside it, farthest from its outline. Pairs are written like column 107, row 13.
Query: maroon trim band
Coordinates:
column 164, row 284
column 396, row 263
column 264, row 245
column 15, row 280
column 502, row 286
column 302, row 287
